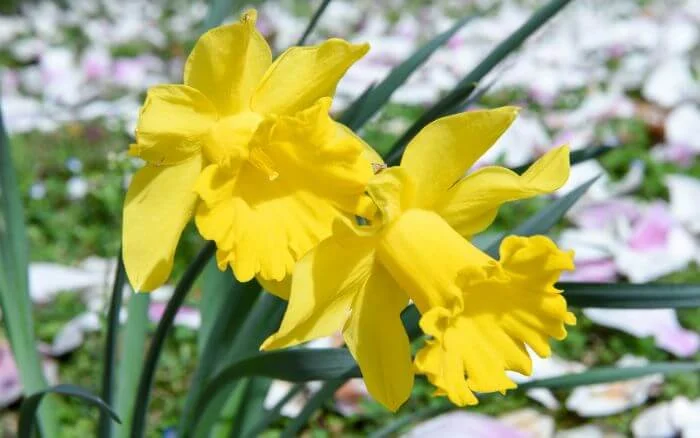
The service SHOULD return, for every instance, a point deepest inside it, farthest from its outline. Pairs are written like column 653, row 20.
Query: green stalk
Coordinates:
column 143, row 394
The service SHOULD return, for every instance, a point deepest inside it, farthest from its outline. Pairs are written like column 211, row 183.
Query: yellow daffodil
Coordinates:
column 251, row 140
column 479, row 312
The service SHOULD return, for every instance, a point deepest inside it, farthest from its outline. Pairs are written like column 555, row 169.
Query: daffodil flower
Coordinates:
column 479, row 312
column 228, row 137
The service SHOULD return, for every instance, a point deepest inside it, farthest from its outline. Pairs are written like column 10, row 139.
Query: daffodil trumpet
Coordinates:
column 479, row 313
column 246, row 147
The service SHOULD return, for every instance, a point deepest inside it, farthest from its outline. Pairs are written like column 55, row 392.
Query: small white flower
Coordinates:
column 77, row 188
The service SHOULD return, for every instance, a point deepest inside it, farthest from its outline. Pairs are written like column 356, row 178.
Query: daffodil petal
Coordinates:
column 227, row 63
column 324, row 284
column 376, row 337
column 302, row 75
column 505, row 306
column 280, row 289
column 159, row 203
column 424, row 255
column 472, row 204
column 302, row 174
column 311, row 152
column 173, row 125
column 445, row 149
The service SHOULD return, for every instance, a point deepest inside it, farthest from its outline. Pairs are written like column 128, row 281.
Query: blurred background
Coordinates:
column 620, row 76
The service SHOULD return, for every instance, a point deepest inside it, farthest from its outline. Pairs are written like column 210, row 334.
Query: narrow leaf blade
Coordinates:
column 453, row 100
column 632, row 296
column 546, row 218
column 380, row 95
column 105, row 426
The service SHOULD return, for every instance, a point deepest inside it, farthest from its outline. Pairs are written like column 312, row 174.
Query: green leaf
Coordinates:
column 133, row 341
column 254, row 327
column 143, row 394
column 298, row 365
column 275, row 413
column 315, row 402
column 250, row 409
column 453, row 100
column 610, row 374
column 631, row 296
column 353, row 111
column 374, row 100
column 233, row 302
column 312, row 23
column 28, row 410
column 15, row 301
column 543, row 221
column 215, row 287
column 105, row 426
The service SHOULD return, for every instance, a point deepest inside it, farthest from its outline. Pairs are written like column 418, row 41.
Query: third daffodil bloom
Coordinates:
column 479, row 312
column 229, row 136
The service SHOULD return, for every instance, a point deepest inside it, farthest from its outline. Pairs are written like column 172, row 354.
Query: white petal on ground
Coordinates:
column 462, row 424
column 655, row 421
column 72, row 335
column 526, row 138
column 531, row 422
column 276, row 393
column 543, row 368
column 681, row 126
column 48, row 279
column 661, row 324
column 684, row 193
column 670, row 83
column 612, row 398
column 587, row 431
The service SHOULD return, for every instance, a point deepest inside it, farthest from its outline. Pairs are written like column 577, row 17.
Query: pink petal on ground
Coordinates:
column 679, row 154
column 652, row 230
column 186, row 317
column 10, row 386
column 464, row 425
column 593, row 271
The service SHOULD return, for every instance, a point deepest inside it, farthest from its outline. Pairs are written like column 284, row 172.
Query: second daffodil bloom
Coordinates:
column 479, row 312
column 224, row 146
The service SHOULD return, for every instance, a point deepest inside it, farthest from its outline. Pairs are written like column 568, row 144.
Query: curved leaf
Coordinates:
column 28, row 410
